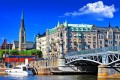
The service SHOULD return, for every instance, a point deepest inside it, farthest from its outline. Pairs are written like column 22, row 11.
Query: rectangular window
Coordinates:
column 94, row 46
column 110, row 36
column 84, row 29
column 119, row 36
column 110, row 42
column 84, row 36
column 115, row 42
column 119, row 42
column 94, row 38
column 79, row 29
column 100, row 41
column 115, row 36
column 89, row 41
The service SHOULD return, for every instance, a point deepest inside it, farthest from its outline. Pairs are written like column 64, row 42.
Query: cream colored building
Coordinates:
column 41, row 44
column 78, row 37
column 71, row 35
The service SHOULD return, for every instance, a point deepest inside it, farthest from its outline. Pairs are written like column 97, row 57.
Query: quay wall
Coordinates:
column 108, row 71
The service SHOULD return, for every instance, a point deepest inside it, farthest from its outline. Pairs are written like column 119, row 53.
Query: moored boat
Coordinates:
column 22, row 70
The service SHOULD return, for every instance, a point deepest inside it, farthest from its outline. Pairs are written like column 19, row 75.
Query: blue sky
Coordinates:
column 42, row 14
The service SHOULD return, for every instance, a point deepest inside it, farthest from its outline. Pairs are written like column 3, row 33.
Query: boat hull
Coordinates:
column 18, row 73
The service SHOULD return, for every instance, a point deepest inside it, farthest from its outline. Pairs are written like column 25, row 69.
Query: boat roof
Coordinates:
column 22, row 65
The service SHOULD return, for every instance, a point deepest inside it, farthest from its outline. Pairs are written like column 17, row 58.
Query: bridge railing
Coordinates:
column 97, row 50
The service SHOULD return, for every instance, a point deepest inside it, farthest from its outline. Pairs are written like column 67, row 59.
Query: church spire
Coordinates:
column 22, row 27
column 109, row 24
column 22, row 17
column 22, row 35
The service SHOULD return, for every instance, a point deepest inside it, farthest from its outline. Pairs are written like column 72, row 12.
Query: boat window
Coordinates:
column 24, row 69
column 29, row 68
column 16, row 68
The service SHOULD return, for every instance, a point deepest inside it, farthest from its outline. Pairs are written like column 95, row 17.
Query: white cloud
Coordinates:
column 97, row 9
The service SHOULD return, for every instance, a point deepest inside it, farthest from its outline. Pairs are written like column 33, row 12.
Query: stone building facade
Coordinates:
column 41, row 43
column 77, row 37
column 72, row 38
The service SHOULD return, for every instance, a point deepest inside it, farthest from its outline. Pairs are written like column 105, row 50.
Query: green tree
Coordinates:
column 27, row 52
column 39, row 53
column 1, row 53
column 22, row 53
column 14, row 52
column 33, row 52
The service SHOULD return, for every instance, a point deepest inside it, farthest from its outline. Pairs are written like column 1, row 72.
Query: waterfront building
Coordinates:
column 41, row 43
column 71, row 35
column 77, row 37
column 108, row 36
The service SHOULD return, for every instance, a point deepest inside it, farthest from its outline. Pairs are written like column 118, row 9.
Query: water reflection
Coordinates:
column 71, row 77
column 109, row 79
column 56, row 77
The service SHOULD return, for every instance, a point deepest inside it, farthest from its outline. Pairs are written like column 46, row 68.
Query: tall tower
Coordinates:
column 22, row 35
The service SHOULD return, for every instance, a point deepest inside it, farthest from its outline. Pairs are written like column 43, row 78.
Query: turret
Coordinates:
column 58, row 24
column 65, row 23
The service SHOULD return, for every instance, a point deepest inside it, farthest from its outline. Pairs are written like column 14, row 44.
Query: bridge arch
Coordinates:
column 113, row 62
column 86, row 60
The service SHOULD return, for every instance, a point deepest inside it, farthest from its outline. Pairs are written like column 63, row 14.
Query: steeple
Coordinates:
column 109, row 24
column 22, row 26
column 58, row 24
column 22, row 35
column 22, row 17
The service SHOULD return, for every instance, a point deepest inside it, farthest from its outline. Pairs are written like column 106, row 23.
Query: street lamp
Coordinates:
column 9, row 48
column 48, row 55
column 48, row 46
column 9, row 51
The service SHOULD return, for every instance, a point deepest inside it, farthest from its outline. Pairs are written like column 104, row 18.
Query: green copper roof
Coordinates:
column 73, row 27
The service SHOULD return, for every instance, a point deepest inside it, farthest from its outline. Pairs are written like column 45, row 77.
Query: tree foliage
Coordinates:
column 14, row 52
column 26, row 52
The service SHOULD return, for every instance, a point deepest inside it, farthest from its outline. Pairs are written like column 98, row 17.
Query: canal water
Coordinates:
column 54, row 77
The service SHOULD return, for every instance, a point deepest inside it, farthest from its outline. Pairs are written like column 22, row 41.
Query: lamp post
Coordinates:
column 48, row 55
column 78, row 38
column 48, row 45
column 52, row 51
column 9, row 48
column 61, row 59
column 8, row 55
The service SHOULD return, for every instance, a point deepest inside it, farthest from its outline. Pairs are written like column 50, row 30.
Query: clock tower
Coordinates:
column 22, row 35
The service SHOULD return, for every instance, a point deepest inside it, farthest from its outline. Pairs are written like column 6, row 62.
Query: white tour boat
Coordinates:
column 22, row 70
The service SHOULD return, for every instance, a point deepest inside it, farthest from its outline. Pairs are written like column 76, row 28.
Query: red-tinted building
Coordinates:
column 5, row 45
column 17, row 58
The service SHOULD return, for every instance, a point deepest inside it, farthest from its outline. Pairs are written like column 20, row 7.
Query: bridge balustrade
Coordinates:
column 92, row 51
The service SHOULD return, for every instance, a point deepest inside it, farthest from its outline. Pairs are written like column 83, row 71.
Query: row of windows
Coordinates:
column 109, row 36
column 79, row 29
column 117, row 37
column 109, row 42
